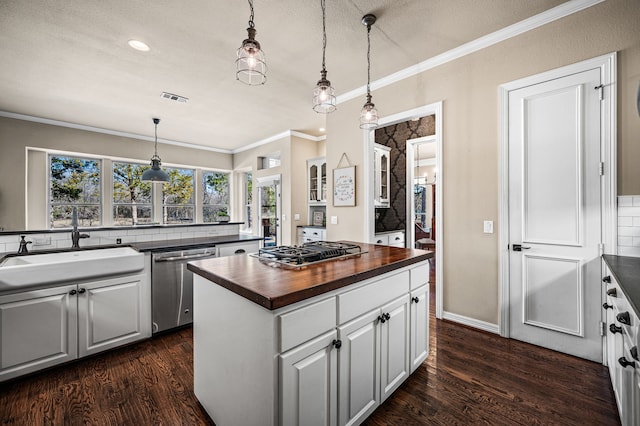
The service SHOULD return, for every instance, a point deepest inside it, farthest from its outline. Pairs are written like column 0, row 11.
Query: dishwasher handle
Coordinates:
column 189, row 257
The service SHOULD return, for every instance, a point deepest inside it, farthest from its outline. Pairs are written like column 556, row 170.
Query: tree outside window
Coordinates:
column 74, row 182
column 248, row 201
column 178, row 196
column 215, row 196
column 132, row 202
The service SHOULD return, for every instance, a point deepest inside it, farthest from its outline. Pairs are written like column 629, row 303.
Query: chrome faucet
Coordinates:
column 75, row 234
column 23, row 246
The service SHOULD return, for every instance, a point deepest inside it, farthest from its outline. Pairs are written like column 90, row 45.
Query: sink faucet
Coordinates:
column 23, row 246
column 75, row 234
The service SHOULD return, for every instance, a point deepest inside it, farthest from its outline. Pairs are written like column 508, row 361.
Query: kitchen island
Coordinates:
column 325, row 344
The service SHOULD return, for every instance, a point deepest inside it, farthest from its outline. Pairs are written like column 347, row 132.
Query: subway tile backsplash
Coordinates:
column 629, row 225
column 44, row 241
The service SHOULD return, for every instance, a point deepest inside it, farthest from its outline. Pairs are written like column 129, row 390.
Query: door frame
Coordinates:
column 270, row 181
column 369, row 210
column 608, row 205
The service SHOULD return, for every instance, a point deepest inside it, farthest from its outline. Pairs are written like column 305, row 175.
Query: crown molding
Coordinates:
column 536, row 21
column 285, row 134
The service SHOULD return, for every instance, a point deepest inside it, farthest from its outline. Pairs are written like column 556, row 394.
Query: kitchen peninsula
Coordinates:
column 324, row 344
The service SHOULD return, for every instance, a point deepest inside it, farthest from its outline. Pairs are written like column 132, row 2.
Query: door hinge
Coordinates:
column 601, row 91
column 600, row 249
column 603, row 328
column 601, row 168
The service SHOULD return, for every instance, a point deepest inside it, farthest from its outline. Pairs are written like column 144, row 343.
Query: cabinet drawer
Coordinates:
column 419, row 275
column 237, row 248
column 381, row 239
column 305, row 323
column 396, row 239
column 356, row 302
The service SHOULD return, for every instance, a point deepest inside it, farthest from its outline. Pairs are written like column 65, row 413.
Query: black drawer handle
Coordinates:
column 624, row 318
column 607, row 279
column 240, row 251
column 623, row 362
column 615, row 329
column 607, row 306
column 337, row 343
column 612, row 292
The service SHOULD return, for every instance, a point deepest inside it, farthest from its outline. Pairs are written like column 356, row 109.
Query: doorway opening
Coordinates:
column 269, row 210
column 403, row 209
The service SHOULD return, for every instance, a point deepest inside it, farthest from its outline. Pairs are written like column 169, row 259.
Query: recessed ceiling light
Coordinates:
column 139, row 45
column 322, row 129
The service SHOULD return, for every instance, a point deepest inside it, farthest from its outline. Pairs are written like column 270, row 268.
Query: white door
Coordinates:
column 109, row 313
column 359, row 361
column 308, row 383
column 554, row 214
column 394, row 346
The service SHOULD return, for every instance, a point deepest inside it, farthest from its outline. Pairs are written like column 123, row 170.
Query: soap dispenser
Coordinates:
column 23, row 246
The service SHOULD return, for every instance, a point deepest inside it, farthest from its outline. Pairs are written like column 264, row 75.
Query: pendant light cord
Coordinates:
column 155, row 146
column 368, row 59
column 324, row 33
column 251, row 25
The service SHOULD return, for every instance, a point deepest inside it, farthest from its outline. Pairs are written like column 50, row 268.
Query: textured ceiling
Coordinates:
column 68, row 60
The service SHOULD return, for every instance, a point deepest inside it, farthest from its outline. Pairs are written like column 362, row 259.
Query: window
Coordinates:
column 248, row 201
column 74, row 182
column 215, row 195
column 269, row 161
column 177, row 196
column 132, row 203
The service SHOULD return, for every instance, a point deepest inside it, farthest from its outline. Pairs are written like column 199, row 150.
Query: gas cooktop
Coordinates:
column 296, row 257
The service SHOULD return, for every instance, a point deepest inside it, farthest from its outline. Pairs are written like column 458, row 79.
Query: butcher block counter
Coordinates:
column 325, row 344
column 275, row 287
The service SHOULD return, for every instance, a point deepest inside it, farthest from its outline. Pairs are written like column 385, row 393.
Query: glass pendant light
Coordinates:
column 369, row 114
column 324, row 97
column 155, row 173
column 251, row 68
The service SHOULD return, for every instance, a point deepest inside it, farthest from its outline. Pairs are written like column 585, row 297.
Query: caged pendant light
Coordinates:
column 369, row 114
column 324, row 97
column 155, row 173
column 251, row 68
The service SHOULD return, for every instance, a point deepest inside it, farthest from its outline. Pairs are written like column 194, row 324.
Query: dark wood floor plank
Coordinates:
column 470, row 378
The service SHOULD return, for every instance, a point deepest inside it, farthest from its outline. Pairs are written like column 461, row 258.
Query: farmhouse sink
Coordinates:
column 40, row 270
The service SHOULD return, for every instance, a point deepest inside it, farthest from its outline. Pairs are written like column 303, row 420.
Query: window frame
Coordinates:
column 203, row 174
column 112, row 202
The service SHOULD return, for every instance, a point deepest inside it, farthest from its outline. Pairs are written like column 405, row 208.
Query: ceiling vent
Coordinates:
column 173, row 97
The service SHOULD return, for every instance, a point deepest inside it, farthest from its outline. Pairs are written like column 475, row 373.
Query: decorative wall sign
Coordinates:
column 344, row 187
column 318, row 218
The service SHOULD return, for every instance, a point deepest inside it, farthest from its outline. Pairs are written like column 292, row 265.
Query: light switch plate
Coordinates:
column 488, row 227
column 334, row 220
column 296, row 216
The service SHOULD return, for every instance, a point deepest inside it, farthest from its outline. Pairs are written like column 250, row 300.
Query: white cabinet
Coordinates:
column 37, row 330
column 393, row 239
column 381, row 163
column 419, row 326
column 622, row 350
column 111, row 313
column 310, row 234
column 394, row 345
column 317, row 181
column 232, row 249
column 308, row 383
column 42, row 328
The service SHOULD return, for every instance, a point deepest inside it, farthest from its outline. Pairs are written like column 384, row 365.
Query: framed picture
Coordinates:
column 318, row 218
column 344, row 187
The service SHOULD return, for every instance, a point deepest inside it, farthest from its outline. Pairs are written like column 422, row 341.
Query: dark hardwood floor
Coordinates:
column 470, row 378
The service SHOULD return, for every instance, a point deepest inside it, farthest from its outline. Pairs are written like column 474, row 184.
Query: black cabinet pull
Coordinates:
column 337, row 343
column 634, row 353
column 382, row 318
column 607, row 279
column 607, row 306
column 615, row 329
column 624, row 318
column 72, row 292
column 623, row 362
column 240, row 251
column 612, row 292
column 82, row 291
column 415, row 299
column 387, row 316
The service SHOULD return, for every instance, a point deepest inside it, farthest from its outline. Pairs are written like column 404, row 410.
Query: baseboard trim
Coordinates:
column 471, row 322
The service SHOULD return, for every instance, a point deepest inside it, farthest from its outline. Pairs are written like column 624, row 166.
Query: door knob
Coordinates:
column 415, row 299
column 520, row 247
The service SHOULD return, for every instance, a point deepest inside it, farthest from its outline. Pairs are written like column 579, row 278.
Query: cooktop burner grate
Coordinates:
column 308, row 253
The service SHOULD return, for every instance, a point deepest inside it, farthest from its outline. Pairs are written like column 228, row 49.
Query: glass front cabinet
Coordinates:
column 381, row 156
column 317, row 181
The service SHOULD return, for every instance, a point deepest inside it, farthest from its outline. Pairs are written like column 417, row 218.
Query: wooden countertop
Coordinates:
column 275, row 287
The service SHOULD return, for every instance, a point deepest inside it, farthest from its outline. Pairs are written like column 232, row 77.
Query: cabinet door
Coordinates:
column 627, row 389
column 110, row 313
column 37, row 330
column 359, row 360
column 394, row 354
column 308, row 383
column 419, row 328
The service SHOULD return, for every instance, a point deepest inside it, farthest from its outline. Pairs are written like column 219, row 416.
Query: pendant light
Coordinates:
column 155, row 173
column 251, row 68
column 369, row 114
column 324, row 97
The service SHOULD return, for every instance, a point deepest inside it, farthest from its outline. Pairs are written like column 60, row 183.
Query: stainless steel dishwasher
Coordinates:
column 172, row 287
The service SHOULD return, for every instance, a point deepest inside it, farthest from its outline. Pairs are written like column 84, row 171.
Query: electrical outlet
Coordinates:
column 296, row 216
column 488, row 227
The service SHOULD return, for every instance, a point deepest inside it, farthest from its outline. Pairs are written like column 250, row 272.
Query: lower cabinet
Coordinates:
column 231, row 249
column 42, row 328
column 419, row 343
